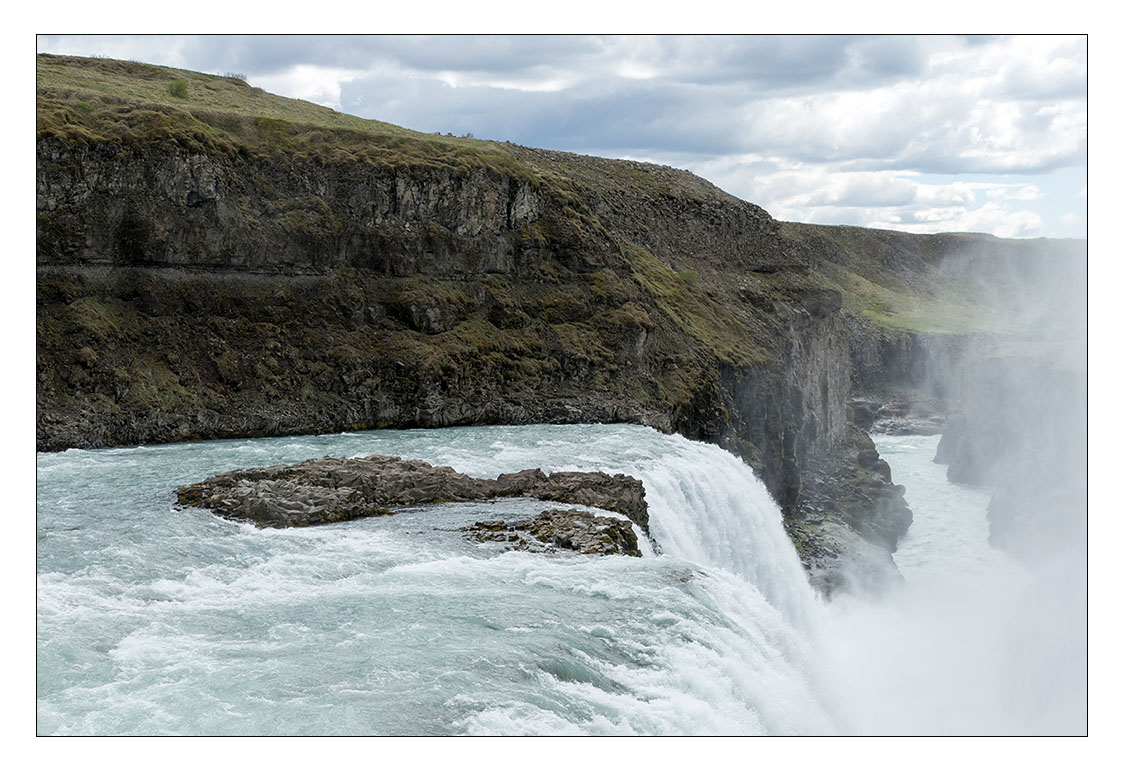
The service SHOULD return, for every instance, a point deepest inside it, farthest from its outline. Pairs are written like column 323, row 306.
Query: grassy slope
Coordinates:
column 94, row 100
column 890, row 279
column 89, row 100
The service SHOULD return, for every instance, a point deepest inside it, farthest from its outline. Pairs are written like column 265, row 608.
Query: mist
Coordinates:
column 990, row 638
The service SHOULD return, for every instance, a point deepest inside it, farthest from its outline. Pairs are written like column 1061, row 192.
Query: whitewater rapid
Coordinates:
column 157, row 620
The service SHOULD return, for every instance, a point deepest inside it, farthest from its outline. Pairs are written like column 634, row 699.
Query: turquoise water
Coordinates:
column 156, row 620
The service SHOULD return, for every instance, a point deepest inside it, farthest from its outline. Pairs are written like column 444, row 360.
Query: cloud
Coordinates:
column 899, row 103
column 314, row 83
column 1011, row 192
column 803, row 125
column 826, row 194
column 989, row 218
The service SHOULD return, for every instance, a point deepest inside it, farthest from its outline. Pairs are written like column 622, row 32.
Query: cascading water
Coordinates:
column 157, row 620
column 153, row 620
column 972, row 642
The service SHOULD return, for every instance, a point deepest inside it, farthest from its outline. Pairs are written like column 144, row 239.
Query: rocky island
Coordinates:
column 326, row 490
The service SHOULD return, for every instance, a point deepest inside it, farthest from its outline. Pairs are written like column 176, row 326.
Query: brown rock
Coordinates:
column 324, row 490
column 571, row 529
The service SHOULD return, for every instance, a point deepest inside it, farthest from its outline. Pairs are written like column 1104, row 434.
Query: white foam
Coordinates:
column 166, row 621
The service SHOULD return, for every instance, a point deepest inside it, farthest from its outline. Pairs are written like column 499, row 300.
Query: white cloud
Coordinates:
column 305, row 81
column 1010, row 192
column 835, row 127
column 989, row 218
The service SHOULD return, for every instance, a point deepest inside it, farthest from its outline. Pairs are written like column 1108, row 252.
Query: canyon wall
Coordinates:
column 187, row 296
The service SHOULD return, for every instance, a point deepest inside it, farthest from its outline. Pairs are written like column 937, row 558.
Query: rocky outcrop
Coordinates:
column 900, row 412
column 569, row 529
column 851, row 518
column 326, row 490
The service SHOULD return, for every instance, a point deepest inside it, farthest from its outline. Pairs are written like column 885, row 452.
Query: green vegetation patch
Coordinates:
column 150, row 385
column 178, row 89
column 890, row 278
column 97, row 316
column 916, row 311
column 715, row 329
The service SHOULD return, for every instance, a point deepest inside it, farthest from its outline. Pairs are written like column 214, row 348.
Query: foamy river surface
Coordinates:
column 157, row 620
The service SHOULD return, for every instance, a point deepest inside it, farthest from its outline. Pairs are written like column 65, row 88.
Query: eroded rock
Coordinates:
column 572, row 529
column 324, row 490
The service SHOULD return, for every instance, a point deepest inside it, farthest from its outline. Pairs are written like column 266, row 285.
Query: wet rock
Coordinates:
column 900, row 413
column 325, row 490
column 839, row 561
column 571, row 529
column 620, row 493
column 850, row 518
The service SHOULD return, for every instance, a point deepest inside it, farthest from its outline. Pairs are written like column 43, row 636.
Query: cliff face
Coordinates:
column 462, row 277
column 187, row 296
column 123, row 206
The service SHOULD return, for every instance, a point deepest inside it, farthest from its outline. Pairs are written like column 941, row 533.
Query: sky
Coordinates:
column 925, row 134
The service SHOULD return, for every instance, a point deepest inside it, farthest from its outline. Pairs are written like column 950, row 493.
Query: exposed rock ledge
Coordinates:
column 572, row 529
column 324, row 490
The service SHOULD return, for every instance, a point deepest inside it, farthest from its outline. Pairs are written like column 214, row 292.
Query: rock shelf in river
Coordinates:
column 574, row 529
column 325, row 490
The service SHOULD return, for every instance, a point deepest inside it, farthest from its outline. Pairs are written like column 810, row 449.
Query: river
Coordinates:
column 155, row 620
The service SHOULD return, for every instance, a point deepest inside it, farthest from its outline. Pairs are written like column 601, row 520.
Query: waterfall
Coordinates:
column 186, row 623
column 707, row 507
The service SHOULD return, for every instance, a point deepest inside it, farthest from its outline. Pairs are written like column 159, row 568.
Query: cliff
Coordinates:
column 214, row 261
